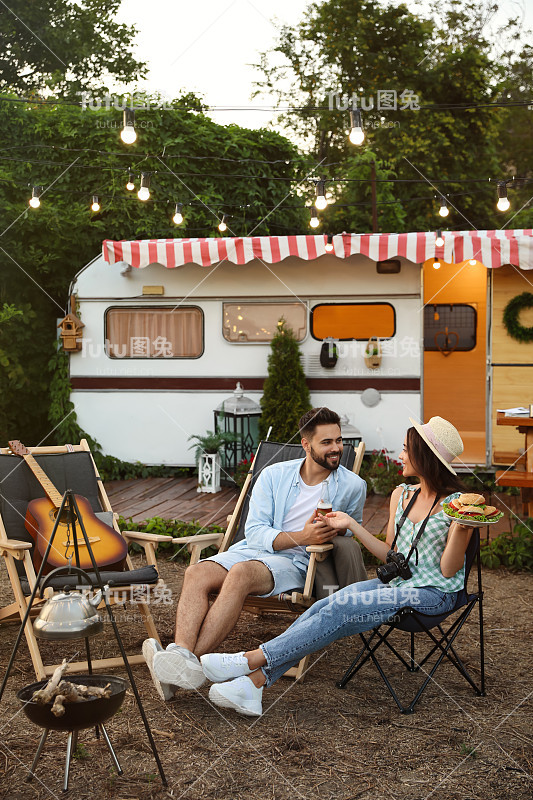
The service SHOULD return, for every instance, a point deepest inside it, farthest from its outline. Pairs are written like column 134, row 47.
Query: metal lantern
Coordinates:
column 239, row 415
column 350, row 434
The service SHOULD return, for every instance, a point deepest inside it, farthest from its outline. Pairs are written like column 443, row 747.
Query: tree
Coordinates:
column 359, row 48
column 64, row 46
column 285, row 394
column 73, row 154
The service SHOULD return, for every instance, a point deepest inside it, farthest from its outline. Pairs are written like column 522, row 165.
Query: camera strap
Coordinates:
column 422, row 526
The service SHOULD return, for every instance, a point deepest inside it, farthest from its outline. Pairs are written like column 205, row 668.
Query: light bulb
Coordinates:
column 503, row 203
column 222, row 225
column 34, row 199
column 314, row 222
column 357, row 134
column 130, row 186
column 443, row 210
column 177, row 219
column 436, row 263
column 472, row 262
column 321, row 203
column 128, row 133
column 144, row 192
column 95, row 206
column 439, row 241
column 329, row 243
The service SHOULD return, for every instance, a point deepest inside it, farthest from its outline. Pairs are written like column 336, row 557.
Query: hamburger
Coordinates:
column 470, row 506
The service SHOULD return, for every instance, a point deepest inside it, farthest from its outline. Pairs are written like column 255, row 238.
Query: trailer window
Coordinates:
column 258, row 322
column 353, row 321
column 154, row 332
column 449, row 327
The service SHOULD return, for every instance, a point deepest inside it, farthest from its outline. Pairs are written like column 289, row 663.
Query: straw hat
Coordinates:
column 442, row 439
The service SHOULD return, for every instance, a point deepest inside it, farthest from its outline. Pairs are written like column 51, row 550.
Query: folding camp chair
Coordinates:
column 410, row 620
column 294, row 602
column 68, row 467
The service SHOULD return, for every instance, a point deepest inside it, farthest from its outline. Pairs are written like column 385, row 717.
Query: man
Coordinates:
column 272, row 559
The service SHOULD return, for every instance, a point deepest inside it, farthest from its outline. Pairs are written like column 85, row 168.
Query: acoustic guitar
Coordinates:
column 108, row 546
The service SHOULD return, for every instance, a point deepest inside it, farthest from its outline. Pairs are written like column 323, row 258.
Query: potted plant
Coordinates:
column 381, row 472
column 207, row 456
column 372, row 353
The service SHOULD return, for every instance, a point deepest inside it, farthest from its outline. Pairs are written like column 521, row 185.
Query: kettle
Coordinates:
column 68, row 614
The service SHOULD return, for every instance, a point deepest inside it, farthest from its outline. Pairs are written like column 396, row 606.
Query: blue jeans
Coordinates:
column 357, row 608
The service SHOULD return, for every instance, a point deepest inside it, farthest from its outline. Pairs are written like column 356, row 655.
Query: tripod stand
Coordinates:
column 69, row 510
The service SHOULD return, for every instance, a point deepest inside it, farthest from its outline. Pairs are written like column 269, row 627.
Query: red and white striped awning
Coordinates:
column 492, row 248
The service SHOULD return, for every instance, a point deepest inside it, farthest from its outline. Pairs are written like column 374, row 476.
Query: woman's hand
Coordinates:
column 339, row 520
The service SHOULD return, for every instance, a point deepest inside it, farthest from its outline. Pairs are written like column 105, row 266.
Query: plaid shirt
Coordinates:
column 430, row 549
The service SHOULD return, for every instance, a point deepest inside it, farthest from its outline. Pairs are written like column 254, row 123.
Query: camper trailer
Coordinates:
column 390, row 326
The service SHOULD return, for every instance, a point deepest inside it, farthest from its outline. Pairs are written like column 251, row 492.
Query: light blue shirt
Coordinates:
column 275, row 492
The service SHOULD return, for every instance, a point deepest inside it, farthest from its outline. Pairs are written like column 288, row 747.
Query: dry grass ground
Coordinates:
column 313, row 741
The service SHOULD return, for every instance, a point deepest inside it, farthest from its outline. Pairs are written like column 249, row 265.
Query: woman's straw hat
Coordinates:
column 442, row 439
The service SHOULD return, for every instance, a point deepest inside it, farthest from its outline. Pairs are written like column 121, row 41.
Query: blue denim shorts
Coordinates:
column 287, row 576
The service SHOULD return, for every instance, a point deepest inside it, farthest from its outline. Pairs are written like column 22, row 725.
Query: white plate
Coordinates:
column 472, row 523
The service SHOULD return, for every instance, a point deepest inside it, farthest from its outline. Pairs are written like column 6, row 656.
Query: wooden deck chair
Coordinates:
column 294, row 602
column 68, row 467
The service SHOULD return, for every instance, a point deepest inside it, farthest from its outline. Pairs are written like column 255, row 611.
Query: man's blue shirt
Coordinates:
column 274, row 494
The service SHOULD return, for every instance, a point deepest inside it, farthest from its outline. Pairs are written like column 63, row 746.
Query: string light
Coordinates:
column 130, row 186
column 34, row 199
column 443, row 210
column 357, row 134
column 321, row 203
column 439, row 241
column 144, row 192
column 329, row 243
column 436, row 263
column 503, row 203
column 314, row 222
column 177, row 219
column 95, row 206
column 128, row 134
column 472, row 262
column 222, row 224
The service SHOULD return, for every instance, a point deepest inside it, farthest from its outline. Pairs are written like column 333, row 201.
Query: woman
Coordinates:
column 435, row 565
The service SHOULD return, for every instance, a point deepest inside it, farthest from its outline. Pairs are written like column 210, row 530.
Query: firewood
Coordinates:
column 48, row 692
column 58, row 709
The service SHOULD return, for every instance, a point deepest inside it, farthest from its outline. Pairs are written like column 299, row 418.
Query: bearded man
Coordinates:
column 272, row 559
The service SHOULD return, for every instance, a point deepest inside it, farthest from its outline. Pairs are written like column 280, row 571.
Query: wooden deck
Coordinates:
column 177, row 498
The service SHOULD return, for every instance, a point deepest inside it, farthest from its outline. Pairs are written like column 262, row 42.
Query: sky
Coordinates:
column 209, row 46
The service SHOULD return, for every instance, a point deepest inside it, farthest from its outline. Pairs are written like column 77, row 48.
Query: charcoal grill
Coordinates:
column 93, row 711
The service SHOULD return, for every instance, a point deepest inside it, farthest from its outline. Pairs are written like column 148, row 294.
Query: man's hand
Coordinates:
column 317, row 530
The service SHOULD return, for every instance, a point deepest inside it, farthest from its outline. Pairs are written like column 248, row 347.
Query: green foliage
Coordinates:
column 173, row 528
column 15, row 342
column 513, row 550
column 79, row 45
column 446, row 57
column 382, row 474
column 211, row 442
column 468, row 750
column 285, row 394
column 243, row 468
column 44, row 248
column 477, row 480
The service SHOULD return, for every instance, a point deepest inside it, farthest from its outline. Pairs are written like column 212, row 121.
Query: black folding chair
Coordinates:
column 410, row 620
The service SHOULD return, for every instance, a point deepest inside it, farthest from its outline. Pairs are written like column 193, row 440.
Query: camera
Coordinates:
column 395, row 566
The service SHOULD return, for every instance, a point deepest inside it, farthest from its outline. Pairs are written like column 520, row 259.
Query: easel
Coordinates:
column 69, row 509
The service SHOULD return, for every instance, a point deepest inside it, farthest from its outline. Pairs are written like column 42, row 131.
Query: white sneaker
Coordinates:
column 150, row 648
column 224, row 666
column 177, row 665
column 241, row 694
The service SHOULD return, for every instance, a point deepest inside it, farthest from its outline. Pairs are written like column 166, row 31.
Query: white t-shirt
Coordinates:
column 303, row 507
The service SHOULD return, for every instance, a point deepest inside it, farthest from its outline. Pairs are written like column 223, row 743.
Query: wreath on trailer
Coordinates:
column 511, row 317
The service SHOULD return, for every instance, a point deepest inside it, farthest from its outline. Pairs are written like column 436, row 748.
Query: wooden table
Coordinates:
column 523, row 479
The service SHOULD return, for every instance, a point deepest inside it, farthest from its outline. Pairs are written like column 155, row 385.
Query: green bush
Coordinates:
column 513, row 550
column 173, row 528
column 382, row 474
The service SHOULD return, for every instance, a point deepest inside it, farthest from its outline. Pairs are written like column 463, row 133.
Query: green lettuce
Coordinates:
column 477, row 517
